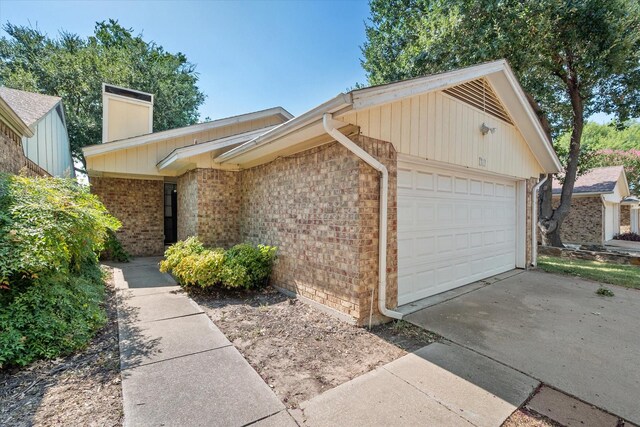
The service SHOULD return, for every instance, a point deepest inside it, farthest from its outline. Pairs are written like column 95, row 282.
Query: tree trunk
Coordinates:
column 550, row 219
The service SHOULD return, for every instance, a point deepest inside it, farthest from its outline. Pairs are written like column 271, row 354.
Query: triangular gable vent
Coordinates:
column 478, row 93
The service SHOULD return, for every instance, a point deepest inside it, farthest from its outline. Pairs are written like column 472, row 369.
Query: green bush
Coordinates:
column 113, row 250
column 51, row 288
column 243, row 266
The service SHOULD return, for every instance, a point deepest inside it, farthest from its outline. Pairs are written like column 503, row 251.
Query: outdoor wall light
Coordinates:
column 486, row 129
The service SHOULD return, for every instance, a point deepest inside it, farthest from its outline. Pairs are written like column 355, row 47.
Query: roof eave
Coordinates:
column 13, row 120
column 103, row 148
column 339, row 102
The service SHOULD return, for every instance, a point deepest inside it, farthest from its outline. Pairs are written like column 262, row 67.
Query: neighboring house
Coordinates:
column 630, row 215
column 12, row 131
column 595, row 212
column 48, row 146
column 450, row 160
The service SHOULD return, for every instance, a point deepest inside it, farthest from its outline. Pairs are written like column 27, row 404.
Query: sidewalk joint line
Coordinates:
column 177, row 357
column 174, row 317
column 430, row 397
column 265, row 417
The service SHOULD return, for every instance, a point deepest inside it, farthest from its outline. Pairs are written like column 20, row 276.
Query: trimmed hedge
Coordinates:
column 630, row 237
column 243, row 266
column 51, row 286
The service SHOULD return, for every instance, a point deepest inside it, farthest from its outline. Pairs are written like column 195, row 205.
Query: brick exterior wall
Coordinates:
column 320, row 207
column 138, row 204
column 625, row 218
column 209, row 206
column 12, row 158
column 584, row 223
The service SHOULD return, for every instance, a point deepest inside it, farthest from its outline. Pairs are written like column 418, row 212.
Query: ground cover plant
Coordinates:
column 631, row 237
column 51, row 286
column 614, row 274
column 244, row 266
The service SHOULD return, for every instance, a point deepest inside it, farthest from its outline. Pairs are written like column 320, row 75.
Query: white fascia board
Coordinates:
column 625, row 192
column 107, row 147
column 337, row 103
column 205, row 147
column 383, row 94
column 590, row 194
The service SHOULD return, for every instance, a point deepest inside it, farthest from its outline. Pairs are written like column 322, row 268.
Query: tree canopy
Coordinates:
column 74, row 68
column 572, row 58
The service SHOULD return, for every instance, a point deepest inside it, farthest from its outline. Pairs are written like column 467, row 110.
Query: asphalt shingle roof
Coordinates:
column 597, row 180
column 29, row 106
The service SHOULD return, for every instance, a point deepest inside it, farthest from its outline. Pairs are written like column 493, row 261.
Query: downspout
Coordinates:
column 534, row 222
column 330, row 128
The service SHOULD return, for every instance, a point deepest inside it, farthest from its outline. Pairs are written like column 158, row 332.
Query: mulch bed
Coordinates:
column 80, row 389
column 300, row 351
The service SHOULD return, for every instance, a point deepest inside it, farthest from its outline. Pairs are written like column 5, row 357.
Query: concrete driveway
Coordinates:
column 554, row 329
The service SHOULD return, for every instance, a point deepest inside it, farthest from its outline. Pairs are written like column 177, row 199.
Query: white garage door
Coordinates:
column 453, row 229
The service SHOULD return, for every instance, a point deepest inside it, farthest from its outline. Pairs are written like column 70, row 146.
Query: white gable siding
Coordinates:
column 438, row 127
column 49, row 146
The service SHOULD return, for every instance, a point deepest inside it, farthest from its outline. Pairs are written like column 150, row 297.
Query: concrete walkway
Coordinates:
column 177, row 367
column 441, row 384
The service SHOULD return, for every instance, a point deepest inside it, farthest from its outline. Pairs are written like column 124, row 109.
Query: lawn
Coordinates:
column 614, row 274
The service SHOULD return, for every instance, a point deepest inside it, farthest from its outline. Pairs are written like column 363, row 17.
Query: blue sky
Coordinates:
column 250, row 55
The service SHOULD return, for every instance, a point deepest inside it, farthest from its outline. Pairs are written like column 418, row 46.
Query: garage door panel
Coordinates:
column 453, row 229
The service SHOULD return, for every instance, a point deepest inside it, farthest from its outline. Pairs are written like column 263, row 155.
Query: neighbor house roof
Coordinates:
column 106, row 147
column 595, row 181
column 29, row 106
column 309, row 124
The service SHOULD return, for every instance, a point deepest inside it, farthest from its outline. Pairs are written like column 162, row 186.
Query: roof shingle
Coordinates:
column 29, row 106
column 596, row 180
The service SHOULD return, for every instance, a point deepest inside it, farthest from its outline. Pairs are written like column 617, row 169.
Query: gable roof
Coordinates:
column 106, row 147
column 29, row 106
column 497, row 73
column 595, row 181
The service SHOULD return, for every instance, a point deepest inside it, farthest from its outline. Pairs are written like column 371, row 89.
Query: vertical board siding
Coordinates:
column 49, row 146
column 438, row 127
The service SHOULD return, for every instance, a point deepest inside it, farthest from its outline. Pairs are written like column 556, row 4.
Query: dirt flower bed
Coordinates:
column 81, row 389
column 297, row 349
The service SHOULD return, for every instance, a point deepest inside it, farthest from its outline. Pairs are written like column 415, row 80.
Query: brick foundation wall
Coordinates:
column 12, row 158
column 625, row 218
column 209, row 206
column 138, row 204
column 320, row 208
column 583, row 224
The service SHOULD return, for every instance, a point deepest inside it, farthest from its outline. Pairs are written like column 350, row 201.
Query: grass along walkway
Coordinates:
column 614, row 274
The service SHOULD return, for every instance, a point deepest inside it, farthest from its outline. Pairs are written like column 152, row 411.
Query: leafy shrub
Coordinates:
column 632, row 237
column 113, row 250
column 178, row 251
column 51, row 288
column 54, row 316
column 243, row 266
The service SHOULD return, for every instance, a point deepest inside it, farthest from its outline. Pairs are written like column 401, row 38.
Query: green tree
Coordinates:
column 75, row 68
column 606, row 136
column 573, row 59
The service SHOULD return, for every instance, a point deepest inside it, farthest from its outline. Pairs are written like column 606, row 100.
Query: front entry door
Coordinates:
column 170, row 213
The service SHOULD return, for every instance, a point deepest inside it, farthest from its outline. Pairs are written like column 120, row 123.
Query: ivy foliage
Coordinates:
column 243, row 266
column 51, row 288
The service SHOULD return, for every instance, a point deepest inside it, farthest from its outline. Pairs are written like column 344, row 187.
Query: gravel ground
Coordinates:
column 82, row 389
column 524, row 418
column 300, row 351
